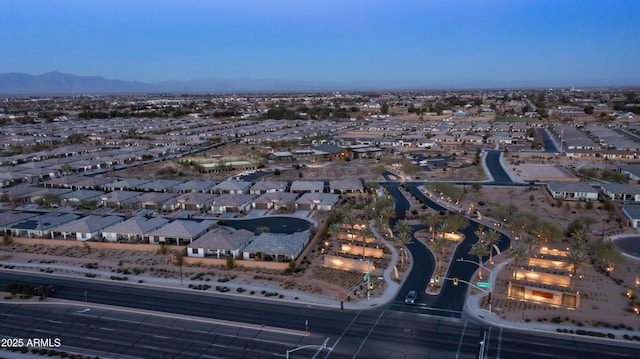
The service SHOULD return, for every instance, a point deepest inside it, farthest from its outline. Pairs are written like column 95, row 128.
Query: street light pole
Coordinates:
column 323, row 346
column 490, row 277
column 368, row 280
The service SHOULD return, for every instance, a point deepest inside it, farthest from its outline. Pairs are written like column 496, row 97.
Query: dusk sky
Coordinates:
column 391, row 43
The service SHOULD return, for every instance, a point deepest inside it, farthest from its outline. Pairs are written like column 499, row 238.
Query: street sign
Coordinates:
column 366, row 277
column 484, row 284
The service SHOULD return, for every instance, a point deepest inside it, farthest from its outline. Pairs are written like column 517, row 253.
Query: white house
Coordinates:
column 621, row 191
column 577, row 191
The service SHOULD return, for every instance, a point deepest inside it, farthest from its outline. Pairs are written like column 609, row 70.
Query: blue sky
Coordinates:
column 431, row 42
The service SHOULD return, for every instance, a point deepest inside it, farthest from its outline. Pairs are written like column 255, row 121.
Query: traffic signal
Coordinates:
column 437, row 278
column 370, row 285
column 455, row 281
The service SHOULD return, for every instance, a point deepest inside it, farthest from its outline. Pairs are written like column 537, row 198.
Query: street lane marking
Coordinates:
column 368, row 335
column 461, row 337
column 499, row 344
column 343, row 333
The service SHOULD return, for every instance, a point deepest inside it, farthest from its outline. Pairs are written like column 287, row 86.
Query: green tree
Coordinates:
column 365, row 232
column 491, row 238
column 530, row 241
column 49, row 199
column 431, row 219
column 579, row 235
column 404, row 239
column 606, row 254
column 178, row 260
column 575, row 225
column 76, row 138
column 440, row 244
column 403, row 226
column 444, row 228
column 480, row 250
column 384, row 108
column 576, row 259
column 333, row 230
column 66, row 169
column 518, row 254
column 457, row 222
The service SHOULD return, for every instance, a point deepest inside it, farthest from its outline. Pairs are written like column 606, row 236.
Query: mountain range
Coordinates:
column 60, row 83
column 57, row 83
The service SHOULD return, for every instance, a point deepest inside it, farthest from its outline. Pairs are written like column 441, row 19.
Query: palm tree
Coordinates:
column 403, row 227
column 444, row 228
column 539, row 231
column 368, row 212
column 440, row 245
column 518, row 253
column 530, row 241
column 575, row 259
column 580, row 246
column 333, row 230
column 404, row 239
column 580, row 235
column 491, row 239
column 431, row 219
column 365, row 232
column 480, row 250
column 349, row 219
column 521, row 222
column 385, row 214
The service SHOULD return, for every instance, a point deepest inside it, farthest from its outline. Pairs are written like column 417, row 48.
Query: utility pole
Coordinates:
column 368, row 280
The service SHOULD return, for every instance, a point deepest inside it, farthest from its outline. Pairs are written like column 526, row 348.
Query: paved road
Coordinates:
column 266, row 330
column 549, row 143
column 494, row 165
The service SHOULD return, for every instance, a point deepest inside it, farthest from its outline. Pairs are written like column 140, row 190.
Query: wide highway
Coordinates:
column 128, row 320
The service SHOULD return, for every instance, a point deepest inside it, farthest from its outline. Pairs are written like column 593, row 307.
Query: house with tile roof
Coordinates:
column 346, row 186
column 151, row 200
column 204, row 186
column 85, row 228
column 118, row 199
column 231, row 203
column 276, row 247
column 266, row 186
column 79, row 196
column 124, row 184
column 159, row 186
column 232, row 187
column 317, row 201
column 220, row 242
column 306, row 186
column 195, row 201
column 133, row 230
column 180, row 232
column 275, row 200
column 40, row 226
